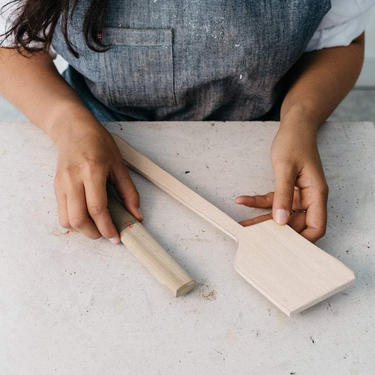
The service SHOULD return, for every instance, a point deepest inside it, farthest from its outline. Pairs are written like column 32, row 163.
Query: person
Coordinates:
column 176, row 60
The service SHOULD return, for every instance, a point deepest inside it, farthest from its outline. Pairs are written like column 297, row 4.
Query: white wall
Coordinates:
column 367, row 78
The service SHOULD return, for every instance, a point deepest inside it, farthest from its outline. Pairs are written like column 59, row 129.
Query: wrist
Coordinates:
column 296, row 136
column 301, row 118
column 70, row 118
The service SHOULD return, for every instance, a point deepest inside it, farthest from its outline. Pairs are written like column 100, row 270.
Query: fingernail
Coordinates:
column 281, row 216
column 140, row 213
column 114, row 240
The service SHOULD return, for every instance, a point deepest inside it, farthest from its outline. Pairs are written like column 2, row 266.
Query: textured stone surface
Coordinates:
column 71, row 305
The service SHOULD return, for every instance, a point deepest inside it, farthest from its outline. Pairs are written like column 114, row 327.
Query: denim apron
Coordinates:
column 189, row 60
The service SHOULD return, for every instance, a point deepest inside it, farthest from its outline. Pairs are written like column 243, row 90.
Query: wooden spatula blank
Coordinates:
column 290, row 271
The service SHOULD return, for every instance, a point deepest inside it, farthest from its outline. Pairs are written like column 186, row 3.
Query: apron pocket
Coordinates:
column 138, row 67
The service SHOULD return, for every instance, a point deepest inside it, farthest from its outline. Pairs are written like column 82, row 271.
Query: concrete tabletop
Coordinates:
column 71, row 305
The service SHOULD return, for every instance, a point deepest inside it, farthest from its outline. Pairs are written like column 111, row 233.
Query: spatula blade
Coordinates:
column 289, row 270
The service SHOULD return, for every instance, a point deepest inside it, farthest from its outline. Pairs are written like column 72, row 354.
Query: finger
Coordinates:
column 77, row 211
column 96, row 199
column 255, row 220
column 257, row 201
column 297, row 221
column 62, row 207
column 316, row 216
column 297, row 199
column 126, row 190
column 284, row 190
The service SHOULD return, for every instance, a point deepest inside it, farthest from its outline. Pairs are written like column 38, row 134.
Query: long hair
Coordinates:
column 35, row 21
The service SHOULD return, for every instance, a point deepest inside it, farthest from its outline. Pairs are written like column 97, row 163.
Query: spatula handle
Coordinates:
column 148, row 251
column 139, row 162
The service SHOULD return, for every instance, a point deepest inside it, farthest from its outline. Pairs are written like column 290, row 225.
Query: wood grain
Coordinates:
column 286, row 268
column 148, row 251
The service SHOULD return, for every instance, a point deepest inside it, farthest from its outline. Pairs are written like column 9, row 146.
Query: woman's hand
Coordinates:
column 87, row 157
column 300, row 184
column 87, row 154
column 317, row 84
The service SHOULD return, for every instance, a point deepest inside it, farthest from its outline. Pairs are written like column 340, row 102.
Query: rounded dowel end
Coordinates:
column 156, row 259
column 148, row 251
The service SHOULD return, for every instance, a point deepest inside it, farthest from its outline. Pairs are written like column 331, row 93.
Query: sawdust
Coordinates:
column 206, row 292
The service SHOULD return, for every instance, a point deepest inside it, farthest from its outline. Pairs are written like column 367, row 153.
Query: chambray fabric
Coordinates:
column 98, row 109
column 190, row 60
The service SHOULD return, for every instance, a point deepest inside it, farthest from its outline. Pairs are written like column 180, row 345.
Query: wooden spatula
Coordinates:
column 286, row 268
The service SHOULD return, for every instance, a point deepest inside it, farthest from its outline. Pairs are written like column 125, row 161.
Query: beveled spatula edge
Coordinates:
column 292, row 311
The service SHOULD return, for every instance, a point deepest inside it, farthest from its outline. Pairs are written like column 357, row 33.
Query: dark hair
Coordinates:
column 33, row 17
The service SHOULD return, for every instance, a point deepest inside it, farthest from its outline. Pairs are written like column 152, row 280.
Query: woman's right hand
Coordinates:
column 87, row 157
column 87, row 154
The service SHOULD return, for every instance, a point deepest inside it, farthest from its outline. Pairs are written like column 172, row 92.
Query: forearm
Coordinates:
column 320, row 80
column 87, row 155
column 34, row 86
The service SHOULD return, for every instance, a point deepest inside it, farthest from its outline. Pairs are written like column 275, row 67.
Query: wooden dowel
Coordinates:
column 148, row 251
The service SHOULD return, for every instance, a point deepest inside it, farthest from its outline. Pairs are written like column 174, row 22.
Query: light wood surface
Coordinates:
column 148, row 251
column 286, row 268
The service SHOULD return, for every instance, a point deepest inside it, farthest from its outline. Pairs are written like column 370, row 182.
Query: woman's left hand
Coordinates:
column 301, row 191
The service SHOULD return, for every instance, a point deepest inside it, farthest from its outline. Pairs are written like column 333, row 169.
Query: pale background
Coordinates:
column 368, row 73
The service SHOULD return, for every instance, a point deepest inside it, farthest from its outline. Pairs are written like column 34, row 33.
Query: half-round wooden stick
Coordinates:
column 148, row 251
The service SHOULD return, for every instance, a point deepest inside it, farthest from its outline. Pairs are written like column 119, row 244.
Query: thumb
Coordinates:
column 283, row 197
column 127, row 191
